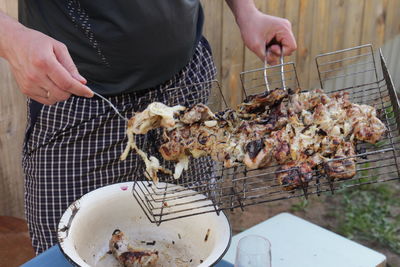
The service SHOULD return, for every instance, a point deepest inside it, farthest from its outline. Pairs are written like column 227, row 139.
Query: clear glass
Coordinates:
column 253, row 251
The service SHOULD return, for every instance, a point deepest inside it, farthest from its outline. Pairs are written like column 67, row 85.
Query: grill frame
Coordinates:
column 238, row 187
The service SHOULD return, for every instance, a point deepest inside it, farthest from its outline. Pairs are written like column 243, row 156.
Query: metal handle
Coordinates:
column 274, row 42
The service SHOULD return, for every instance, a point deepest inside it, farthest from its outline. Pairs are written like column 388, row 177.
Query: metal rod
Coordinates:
column 111, row 105
column 265, row 72
column 282, row 70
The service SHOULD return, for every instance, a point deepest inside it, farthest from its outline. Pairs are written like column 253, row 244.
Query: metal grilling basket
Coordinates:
column 354, row 70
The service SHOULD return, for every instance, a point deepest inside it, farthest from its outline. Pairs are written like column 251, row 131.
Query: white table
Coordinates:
column 298, row 243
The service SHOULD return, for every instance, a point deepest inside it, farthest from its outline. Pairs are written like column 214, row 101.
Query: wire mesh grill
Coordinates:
column 353, row 70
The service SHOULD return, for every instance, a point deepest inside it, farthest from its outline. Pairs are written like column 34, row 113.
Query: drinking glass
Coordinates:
column 253, row 251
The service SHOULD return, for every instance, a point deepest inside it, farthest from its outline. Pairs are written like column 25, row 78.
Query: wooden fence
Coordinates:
column 12, row 127
column 319, row 26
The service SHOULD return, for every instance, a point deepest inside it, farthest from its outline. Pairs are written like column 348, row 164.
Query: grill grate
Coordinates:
column 353, row 70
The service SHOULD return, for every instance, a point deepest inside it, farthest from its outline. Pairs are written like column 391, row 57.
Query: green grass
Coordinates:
column 300, row 206
column 368, row 213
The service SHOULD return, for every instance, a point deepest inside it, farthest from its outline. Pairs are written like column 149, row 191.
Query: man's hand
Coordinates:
column 258, row 30
column 42, row 66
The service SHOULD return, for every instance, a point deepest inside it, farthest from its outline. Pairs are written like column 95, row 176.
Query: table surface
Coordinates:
column 294, row 241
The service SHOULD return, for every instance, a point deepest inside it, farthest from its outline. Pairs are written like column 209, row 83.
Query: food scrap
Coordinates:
column 207, row 235
column 129, row 256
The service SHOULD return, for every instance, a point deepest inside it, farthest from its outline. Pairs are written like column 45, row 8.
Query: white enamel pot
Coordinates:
column 85, row 230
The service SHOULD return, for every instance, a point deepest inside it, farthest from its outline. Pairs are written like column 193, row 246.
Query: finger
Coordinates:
column 289, row 44
column 29, row 88
column 63, row 56
column 63, row 80
column 43, row 100
column 55, row 92
column 276, row 50
column 272, row 59
column 39, row 92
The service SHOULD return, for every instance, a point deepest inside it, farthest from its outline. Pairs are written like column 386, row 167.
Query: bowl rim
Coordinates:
column 70, row 260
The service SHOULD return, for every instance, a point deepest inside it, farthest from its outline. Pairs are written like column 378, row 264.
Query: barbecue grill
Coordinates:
column 354, row 70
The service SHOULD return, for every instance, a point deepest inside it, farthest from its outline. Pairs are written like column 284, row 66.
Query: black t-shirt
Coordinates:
column 120, row 46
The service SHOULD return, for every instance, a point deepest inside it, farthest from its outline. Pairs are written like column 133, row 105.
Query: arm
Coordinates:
column 41, row 65
column 258, row 29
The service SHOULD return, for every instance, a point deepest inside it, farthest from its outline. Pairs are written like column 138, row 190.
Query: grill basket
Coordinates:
column 353, row 70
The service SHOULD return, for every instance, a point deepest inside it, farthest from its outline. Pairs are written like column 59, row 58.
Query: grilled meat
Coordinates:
column 199, row 112
column 343, row 165
column 129, row 256
column 294, row 174
column 258, row 153
column 301, row 131
column 257, row 103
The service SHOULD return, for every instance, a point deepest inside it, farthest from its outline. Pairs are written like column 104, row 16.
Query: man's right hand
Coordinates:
column 42, row 66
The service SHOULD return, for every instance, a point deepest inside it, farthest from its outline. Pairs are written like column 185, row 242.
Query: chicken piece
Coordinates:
column 340, row 169
column 370, row 131
column 154, row 116
column 129, row 256
column 307, row 100
column 329, row 145
column 282, row 152
column 198, row 112
column 307, row 117
column 275, row 120
column 228, row 117
column 252, row 130
column 258, row 153
column 343, row 165
column 171, row 150
column 176, row 142
column 257, row 103
column 366, row 126
column 321, row 117
column 294, row 174
column 342, row 98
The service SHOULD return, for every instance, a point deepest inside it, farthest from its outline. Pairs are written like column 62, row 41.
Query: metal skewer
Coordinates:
column 265, row 71
column 282, row 69
column 111, row 104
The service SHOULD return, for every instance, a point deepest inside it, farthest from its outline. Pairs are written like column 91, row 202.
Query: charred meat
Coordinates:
column 129, row 256
column 301, row 131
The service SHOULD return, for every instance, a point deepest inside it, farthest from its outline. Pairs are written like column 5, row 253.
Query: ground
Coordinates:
column 369, row 215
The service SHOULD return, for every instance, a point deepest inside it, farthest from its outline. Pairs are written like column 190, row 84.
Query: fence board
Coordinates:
column 251, row 60
column 392, row 22
column 213, row 30
column 12, row 128
column 304, row 59
column 353, row 23
column 291, row 12
column 320, row 39
column 374, row 22
column 232, row 58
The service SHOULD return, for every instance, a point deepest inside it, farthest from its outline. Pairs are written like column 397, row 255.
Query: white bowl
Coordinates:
column 86, row 227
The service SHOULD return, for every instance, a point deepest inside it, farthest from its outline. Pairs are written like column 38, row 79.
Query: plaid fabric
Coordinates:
column 75, row 145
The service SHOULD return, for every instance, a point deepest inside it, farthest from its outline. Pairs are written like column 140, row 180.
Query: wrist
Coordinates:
column 242, row 10
column 9, row 28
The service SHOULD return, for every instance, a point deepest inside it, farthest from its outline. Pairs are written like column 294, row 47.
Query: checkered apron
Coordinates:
column 75, row 145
